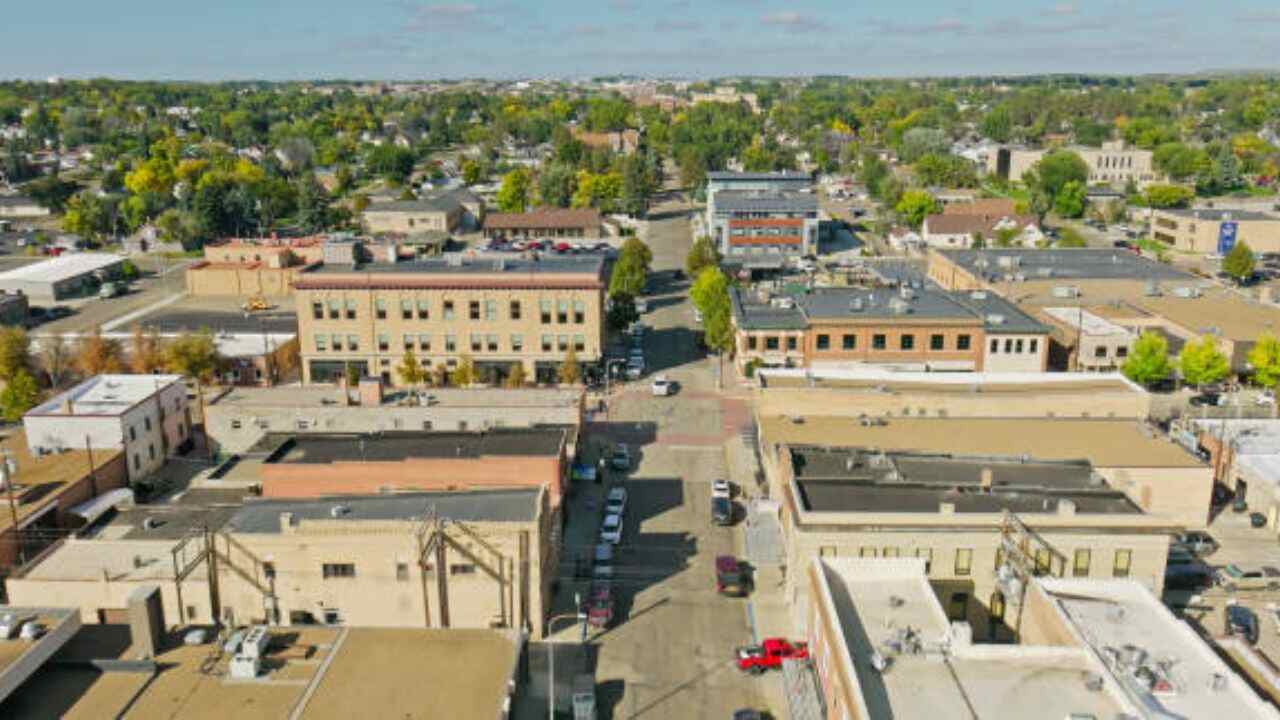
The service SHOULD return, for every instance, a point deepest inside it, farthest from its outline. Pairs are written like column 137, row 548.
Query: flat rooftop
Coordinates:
column 861, row 480
column 1219, row 215
column 1086, row 321
column 1217, row 311
column 13, row 649
column 1063, row 264
column 96, row 559
column 518, row 505
column 321, row 396
column 766, row 201
column 875, row 603
column 1103, row 443
column 42, row 479
column 467, row 266
column 852, row 304
column 320, row 448
column 312, row 673
column 105, row 395
column 792, row 175
column 891, row 381
column 63, row 267
column 176, row 319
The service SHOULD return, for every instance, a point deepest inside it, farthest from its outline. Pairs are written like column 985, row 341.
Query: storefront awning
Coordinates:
column 93, row 509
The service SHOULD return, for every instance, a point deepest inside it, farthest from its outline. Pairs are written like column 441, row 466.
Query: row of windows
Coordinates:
column 338, row 571
column 1015, row 346
column 763, row 232
column 1101, row 351
column 560, row 311
column 906, row 341
column 1045, row 562
column 488, row 342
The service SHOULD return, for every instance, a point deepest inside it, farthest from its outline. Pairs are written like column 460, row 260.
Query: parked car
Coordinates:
column 721, row 511
column 661, row 386
column 730, row 578
column 604, row 553
column 642, row 305
column 769, row 654
column 1266, row 397
column 611, row 529
column 1243, row 622
column 621, row 457
column 1196, row 542
column 1189, row 576
column 599, row 605
column 1209, row 399
column 635, row 369
column 748, row 714
column 721, row 488
column 1234, row 577
column 616, row 501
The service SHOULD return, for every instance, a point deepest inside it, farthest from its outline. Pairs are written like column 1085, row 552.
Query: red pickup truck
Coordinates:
column 756, row 659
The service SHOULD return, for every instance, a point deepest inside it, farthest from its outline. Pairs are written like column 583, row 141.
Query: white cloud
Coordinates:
column 792, row 21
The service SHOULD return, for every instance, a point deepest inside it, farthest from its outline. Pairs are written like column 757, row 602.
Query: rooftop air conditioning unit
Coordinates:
column 978, row 295
column 1066, row 291
column 855, row 305
column 1187, row 292
column 995, row 319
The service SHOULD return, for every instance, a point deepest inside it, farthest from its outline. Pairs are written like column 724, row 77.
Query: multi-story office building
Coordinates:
column 497, row 312
column 1112, row 164
column 906, row 329
column 1205, row 230
column 756, row 217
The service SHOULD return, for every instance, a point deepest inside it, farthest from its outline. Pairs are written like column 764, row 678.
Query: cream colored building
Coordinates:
column 497, row 312
column 1112, row 164
column 438, row 559
column 1197, row 230
column 442, row 214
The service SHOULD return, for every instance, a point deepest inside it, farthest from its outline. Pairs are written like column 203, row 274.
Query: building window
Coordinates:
column 462, row 569
column 579, row 343
column 406, row 309
column 424, row 310
column 384, row 341
column 849, row 342
column 380, row 308
column 1123, row 561
column 866, row 552
column 473, row 310
column 448, row 309
column 133, row 433
column 491, row 343
column 579, row 312
column 791, row 342
column 771, row 343
column 137, row 462
column 353, row 342
column 995, row 346
column 937, row 342
column 338, row 570
column 351, row 309
column 1017, row 346
column 450, row 343
column 964, row 561
column 517, row 343
column 544, row 309
column 824, row 342
column 891, row 552
column 1008, row 345
column 958, row 608
column 151, row 451
column 1080, row 568
column 321, row 343
column 408, row 342
column 827, row 551
column 334, row 309
column 562, row 311
column 490, row 310
column 562, row 342
column 751, row 342
column 317, row 311
column 546, row 343
column 1100, row 351
column 927, row 554
column 962, row 342
column 907, row 342
column 515, row 309
column 424, row 341
column 336, row 341
column 476, row 340
column 1121, row 351
column 269, row 570
column 147, row 422
column 402, row 571
column 1033, row 346
column 236, row 424
column 1043, row 558
column 879, row 341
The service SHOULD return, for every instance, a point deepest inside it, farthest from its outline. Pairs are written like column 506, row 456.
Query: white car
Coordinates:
column 635, row 369
column 615, row 502
column 721, row 488
column 611, row 529
column 1266, row 397
column 662, row 386
column 642, row 305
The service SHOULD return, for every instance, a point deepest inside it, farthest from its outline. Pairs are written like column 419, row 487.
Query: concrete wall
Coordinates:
column 240, row 281
column 1015, row 353
column 411, row 221
column 1180, row 495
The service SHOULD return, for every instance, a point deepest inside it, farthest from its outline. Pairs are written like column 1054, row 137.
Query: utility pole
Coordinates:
column 8, row 471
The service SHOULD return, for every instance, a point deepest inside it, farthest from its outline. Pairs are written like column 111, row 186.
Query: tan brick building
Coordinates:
column 1112, row 164
column 240, row 269
column 441, row 214
column 497, row 312
column 544, row 223
column 1197, row 230
column 907, row 329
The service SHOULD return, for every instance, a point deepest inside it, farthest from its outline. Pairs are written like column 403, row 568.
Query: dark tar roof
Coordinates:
column 1217, row 215
column 475, row 506
column 581, row 265
column 318, row 448
column 192, row 510
column 1080, row 264
column 439, row 203
column 861, row 480
column 770, row 201
column 792, row 175
column 996, row 313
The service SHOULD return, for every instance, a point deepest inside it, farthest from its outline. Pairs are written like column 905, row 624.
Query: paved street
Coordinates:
column 669, row 652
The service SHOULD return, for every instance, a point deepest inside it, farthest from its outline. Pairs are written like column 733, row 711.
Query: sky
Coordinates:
column 398, row 40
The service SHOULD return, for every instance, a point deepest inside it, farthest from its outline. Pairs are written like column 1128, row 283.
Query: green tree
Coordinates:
column 569, row 372
column 622, row 312
column 18, row 396
column 1069, row 202
column 465, row 373
column 710, row 294
column 1180, row 162
column 195, row 356
column 128, row 270
column 1167, row 196
column 517, row 377
column 915, row 206
column 921, row 141
column 1052, row 173
column 352, row 372
column 636, row 246
column 1148, row 362
column 472, row 172
column 1239, row 262
column 702, row 254
column 1264, row 358
column 997, row 124
column 513, row 195
column 1070, row 238
column 15, row 352
column 556, row 184
column 410, row 370
column 390, row 161
column 628, row 276
column 1201, row 363
column 51, row 192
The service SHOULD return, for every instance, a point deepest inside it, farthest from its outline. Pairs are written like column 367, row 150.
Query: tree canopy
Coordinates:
column 1202, row 363
column 1148, row 360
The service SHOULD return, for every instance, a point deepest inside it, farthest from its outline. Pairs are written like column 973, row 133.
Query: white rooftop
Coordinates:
column 887, row 607
column 322, row 396
column 62, row 267
column 1249, row 436
column 106, row 394
column 1088, row 323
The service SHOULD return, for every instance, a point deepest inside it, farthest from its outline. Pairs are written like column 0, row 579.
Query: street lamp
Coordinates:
column 578, row 616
